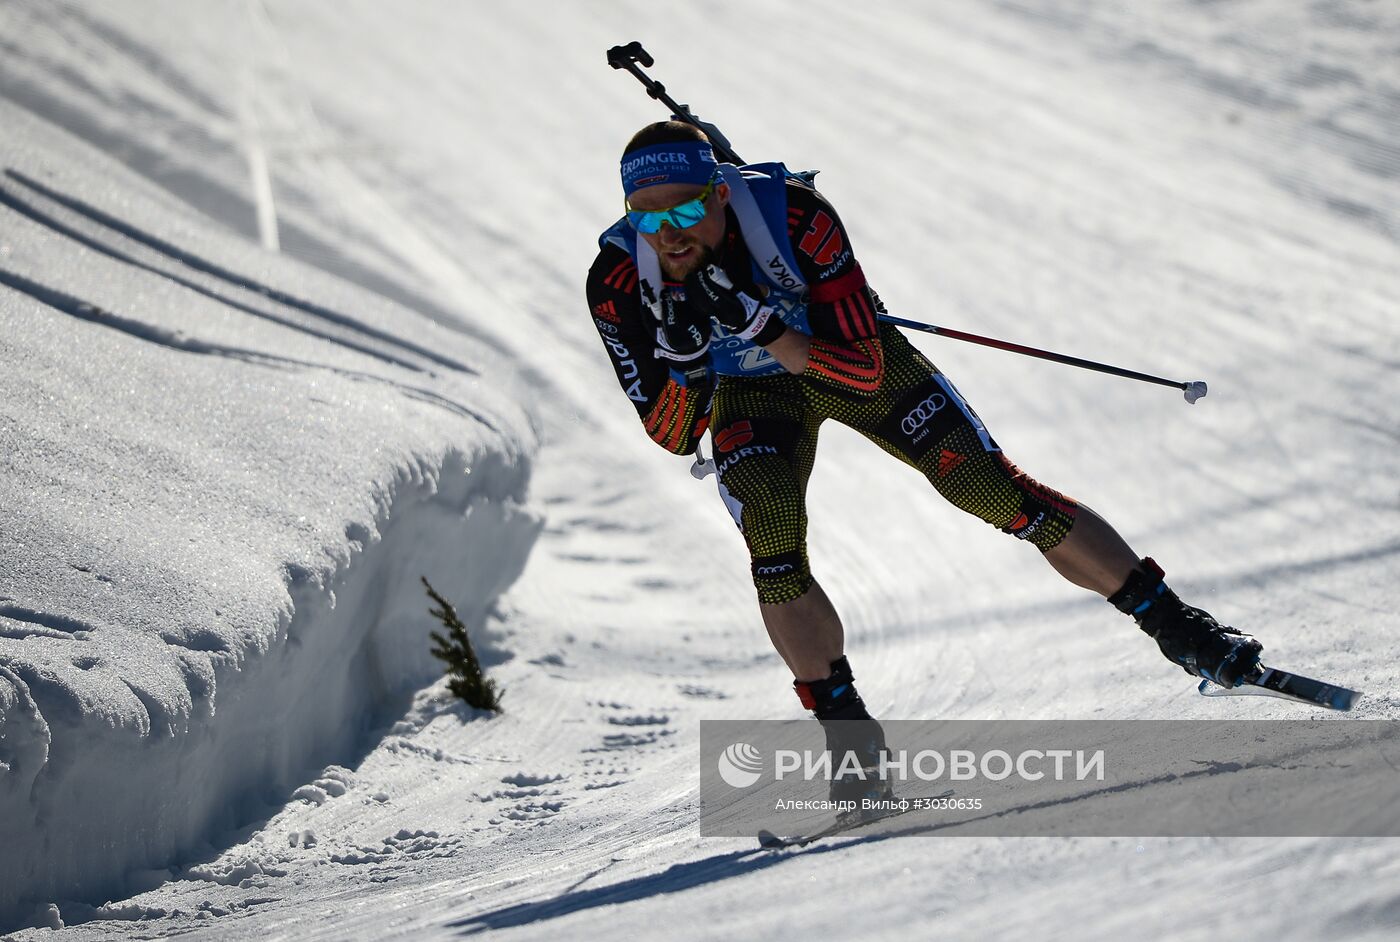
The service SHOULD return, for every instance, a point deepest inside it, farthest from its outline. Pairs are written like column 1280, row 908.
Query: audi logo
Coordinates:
column 773, row 570
column 922, row 413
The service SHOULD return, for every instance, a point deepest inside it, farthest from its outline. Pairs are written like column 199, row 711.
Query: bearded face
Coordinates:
column 682, row 251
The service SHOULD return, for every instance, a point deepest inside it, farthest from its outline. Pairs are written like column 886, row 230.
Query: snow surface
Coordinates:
column 225, row 467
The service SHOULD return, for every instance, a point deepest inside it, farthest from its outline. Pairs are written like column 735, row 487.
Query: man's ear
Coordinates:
column 722, row 191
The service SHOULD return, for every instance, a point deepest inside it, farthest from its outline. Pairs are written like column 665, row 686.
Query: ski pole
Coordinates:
column 1194, row 390
column 703, row 467
column 628, row 56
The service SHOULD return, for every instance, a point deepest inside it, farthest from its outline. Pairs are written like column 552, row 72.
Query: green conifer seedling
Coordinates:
column 455, row 650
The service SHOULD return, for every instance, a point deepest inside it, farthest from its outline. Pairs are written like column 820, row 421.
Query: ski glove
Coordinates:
column 736, row 309
column 684, row 334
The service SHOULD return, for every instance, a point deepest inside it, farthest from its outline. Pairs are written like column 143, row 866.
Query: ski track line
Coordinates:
column 161, row 247
column 67, row 304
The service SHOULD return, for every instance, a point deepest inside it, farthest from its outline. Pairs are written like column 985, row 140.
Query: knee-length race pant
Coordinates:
column 765, row 441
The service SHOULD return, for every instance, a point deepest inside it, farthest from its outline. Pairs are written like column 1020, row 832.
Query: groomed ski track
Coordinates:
column 1196, row 190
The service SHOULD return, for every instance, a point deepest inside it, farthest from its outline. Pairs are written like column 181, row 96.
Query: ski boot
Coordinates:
column 859, row 794
column 1187, row 636
column 855, row 741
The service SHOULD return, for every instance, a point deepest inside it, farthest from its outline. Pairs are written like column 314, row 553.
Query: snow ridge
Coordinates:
column 224, row 473
column 350, row 640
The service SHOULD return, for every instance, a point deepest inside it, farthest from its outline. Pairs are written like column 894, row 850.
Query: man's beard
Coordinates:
column 674, row 272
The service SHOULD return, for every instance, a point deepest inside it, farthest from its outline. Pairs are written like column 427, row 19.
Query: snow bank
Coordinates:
column 223, row 475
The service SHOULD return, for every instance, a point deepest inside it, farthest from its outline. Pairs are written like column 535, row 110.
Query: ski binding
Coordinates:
column 1272, row 682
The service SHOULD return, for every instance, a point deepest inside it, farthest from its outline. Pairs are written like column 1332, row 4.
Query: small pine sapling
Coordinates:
column 455, row 650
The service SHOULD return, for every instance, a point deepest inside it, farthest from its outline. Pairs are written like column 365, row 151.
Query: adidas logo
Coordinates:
column 949, row 460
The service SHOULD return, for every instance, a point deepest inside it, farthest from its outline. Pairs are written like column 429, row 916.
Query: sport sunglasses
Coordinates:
column 682, row 216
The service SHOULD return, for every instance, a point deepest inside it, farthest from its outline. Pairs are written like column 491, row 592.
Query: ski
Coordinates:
column 770, row 841
column 1271, row 682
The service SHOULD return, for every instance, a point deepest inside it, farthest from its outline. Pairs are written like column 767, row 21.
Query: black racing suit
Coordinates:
column 860, row 372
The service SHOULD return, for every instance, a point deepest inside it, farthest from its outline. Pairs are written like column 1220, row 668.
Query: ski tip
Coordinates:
column 1344, row 699
column 769, row 840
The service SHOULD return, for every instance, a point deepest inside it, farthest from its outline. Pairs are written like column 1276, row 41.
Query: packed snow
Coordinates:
column 291, row 309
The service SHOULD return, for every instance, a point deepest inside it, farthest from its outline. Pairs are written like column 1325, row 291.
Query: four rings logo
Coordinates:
column 773, row 570
column 922, row 413
column 739, row 765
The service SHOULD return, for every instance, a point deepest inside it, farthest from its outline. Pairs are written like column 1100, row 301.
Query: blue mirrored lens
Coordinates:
column 681, row 217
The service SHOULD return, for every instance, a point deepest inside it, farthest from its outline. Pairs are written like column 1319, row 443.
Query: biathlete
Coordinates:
column 729, row 299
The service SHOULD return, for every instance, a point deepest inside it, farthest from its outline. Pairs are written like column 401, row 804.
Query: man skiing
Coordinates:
column 731, row 300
